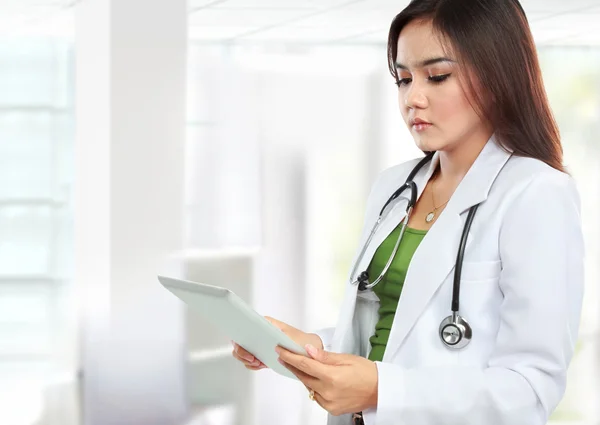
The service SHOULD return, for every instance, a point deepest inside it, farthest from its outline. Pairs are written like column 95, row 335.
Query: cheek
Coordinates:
column 402, row 106
column 452, row 106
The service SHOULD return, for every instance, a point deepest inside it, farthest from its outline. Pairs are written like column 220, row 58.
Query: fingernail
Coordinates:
column 280, row 361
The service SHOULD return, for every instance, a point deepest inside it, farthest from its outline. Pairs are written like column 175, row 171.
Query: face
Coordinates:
column 429, row 89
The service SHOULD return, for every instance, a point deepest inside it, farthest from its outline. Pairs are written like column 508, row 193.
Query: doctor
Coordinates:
column 465, row 308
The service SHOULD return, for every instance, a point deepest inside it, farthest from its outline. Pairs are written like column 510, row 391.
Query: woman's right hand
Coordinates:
column 299, row 337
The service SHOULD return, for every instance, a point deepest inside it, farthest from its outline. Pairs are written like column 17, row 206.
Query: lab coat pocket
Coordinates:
column 480, row 301
column 480, row 271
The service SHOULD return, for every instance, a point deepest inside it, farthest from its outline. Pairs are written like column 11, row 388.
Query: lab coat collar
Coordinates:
column 476, row 184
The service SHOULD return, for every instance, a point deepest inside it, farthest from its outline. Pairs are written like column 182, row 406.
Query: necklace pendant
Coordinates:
column 430, row 217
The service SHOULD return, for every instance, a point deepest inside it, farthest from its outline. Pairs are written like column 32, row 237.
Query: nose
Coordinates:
column 414, row 96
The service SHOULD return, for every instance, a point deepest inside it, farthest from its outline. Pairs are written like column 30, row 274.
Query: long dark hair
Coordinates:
column 493, row 40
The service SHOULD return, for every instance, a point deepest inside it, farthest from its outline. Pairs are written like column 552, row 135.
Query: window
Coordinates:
column 37, row 323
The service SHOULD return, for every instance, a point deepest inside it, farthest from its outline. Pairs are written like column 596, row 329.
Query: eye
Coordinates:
column 403, row 81
column 438, row 78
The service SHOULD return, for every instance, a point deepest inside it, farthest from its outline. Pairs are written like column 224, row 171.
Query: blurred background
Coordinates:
column 229, row 141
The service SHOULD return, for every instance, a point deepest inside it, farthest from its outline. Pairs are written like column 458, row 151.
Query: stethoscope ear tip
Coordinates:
column 363, row 280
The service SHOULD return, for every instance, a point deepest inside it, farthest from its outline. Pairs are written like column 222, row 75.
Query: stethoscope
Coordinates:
column 454, row 331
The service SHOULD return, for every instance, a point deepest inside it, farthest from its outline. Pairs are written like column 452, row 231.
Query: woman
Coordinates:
column 471, row 93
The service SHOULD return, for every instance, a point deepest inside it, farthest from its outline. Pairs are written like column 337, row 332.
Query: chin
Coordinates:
column 428, row 145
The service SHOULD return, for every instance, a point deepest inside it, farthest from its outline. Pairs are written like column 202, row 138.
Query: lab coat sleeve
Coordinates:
column 541, row 249
column 326, row 335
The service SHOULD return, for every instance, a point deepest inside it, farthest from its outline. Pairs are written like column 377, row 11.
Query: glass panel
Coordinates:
column 37, row 317
column 22, row 370
column 22, row 339
column 64, row 167
column 26, row 155
column 63, row 253
column 26, row 241
column 27, row 73
column 24, row 304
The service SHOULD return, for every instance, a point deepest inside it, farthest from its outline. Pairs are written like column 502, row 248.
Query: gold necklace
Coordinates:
column 429, row 218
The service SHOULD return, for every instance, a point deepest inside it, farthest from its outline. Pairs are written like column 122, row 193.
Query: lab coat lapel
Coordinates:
column 435, row 257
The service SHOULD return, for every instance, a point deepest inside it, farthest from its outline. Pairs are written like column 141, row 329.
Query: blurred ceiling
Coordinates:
column 555, row 22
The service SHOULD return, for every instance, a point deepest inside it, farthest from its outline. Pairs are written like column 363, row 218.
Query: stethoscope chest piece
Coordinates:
column 455, row 332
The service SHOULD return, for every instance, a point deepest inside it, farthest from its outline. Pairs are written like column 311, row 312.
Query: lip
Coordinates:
column 421, row 127
column 416, row 121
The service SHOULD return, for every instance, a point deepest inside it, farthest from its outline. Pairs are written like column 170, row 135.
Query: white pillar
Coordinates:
column 130, row 112
column 279, row 276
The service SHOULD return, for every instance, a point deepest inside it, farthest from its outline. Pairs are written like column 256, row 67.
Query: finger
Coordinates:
column 254, row 366
column 259, row 367
column 304, row 364
column 243, row 353
column 258, row 364
column 323, row 356
column 329, row 405
column 276, row 322
column 320, row 400
column 242, row 357
column 254, row 362
column 307, row 380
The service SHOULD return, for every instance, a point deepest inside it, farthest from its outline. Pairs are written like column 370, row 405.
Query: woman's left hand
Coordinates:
column 343, row 383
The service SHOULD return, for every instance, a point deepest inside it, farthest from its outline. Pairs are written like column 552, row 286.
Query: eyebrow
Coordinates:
column 425, row 63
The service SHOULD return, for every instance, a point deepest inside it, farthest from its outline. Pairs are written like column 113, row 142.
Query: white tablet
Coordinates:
column 236, row 319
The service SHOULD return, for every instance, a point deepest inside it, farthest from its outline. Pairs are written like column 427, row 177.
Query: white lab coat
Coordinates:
column 521, row 291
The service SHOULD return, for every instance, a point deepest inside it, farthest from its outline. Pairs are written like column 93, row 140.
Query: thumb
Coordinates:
column 282, row 326
column 322, row 356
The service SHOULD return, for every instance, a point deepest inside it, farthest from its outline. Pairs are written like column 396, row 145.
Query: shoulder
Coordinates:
column 528, row 178
column 394, row 176
column 386, row 183
column 539, row 212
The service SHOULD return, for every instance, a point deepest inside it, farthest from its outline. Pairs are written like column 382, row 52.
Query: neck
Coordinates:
column 456, row 161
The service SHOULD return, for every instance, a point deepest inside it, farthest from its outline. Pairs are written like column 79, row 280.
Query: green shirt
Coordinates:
column 389, row 288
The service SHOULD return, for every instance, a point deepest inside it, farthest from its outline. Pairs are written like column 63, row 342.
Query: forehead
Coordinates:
column 418, row 42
